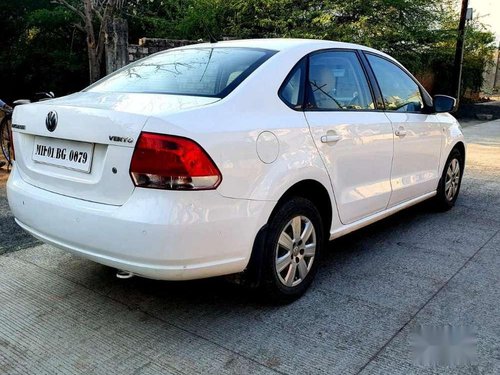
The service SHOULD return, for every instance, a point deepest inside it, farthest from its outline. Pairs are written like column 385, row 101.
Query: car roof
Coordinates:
column 283, row 44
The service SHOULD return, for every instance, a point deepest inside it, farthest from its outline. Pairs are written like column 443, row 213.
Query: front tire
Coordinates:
column 449, row 185
column 291, row 250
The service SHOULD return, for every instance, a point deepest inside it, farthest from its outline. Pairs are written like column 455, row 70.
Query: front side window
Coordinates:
column 337, row 82
column 210, row 72
column 399, row 90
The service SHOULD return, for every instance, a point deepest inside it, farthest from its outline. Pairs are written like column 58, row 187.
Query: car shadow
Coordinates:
column 222, row 290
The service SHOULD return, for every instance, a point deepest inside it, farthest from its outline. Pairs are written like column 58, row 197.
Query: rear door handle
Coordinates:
column 330, row 138
column 400, row 132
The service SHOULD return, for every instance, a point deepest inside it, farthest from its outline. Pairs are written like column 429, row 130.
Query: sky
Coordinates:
column 488, row 12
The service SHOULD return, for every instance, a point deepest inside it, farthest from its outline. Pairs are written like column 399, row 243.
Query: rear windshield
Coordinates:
column 212, row 72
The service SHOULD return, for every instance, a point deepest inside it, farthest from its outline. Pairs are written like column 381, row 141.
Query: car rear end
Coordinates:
column 91, row 179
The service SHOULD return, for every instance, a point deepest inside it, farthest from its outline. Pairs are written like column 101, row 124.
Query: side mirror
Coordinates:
column 444, row 103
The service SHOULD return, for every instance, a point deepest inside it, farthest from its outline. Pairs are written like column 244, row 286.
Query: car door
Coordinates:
column 354, row 139
column 418, row 135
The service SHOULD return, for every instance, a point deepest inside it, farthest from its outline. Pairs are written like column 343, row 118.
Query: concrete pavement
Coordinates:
column 63, row 315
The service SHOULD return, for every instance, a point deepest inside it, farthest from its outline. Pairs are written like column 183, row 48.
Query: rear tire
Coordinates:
column 451, row 179
column 291, row 251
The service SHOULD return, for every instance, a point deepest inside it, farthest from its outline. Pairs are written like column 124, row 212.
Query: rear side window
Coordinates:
column 401, row 93
column 337, row 81
column 212, row 72
column 292, row 90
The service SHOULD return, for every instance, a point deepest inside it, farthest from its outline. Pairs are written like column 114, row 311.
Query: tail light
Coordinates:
column 173, row 163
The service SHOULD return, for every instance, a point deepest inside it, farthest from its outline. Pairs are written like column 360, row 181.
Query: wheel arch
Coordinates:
column 460, row 146
column 310, row 189
column 314, row 191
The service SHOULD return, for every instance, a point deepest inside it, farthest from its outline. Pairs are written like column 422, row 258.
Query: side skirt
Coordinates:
column 345, row 229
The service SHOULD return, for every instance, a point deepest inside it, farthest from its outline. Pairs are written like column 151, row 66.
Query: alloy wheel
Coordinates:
column 295, row 251
column 452, row 179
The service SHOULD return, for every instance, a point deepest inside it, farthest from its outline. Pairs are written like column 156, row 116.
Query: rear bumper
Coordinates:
column 167, row 235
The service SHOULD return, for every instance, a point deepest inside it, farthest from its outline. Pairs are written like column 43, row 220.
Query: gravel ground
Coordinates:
column 63, row 315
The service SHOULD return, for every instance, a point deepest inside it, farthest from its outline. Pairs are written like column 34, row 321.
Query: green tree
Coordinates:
column 93, row 19
column 420, row 33
column 40, row 50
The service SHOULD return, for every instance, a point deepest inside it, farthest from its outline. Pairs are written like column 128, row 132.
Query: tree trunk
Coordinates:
column 96, row 41
column 92, row 45
column 116, row 44
column 94, row 64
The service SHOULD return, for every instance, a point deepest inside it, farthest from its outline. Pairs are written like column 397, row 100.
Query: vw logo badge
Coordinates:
column 51, row 121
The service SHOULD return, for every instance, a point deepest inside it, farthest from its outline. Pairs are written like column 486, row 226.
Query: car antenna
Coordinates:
column 211, row 37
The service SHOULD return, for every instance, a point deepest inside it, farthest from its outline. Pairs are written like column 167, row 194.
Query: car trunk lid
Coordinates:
column 101, row 129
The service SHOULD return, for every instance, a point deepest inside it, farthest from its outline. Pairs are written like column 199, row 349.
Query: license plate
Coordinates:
column 63, row 153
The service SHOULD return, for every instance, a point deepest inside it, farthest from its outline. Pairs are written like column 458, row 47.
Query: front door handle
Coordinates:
column 330, row 138
column 401, row 132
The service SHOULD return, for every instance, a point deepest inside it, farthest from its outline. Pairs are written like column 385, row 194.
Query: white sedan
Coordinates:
column 232, row 157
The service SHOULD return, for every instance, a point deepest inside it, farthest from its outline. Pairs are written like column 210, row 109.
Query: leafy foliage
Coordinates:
column 41, row 49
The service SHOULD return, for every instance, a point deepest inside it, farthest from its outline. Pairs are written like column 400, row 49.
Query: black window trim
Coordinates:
column 300, row 105
column 426, row 98
column 375, row 90
column 377, row 93
column 370, row 79
column 370, row 88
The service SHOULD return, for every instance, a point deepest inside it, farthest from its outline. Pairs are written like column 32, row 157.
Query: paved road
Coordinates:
column 63, row 315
